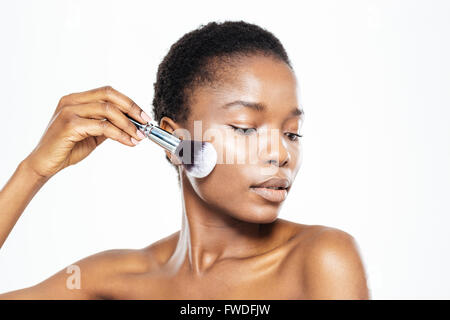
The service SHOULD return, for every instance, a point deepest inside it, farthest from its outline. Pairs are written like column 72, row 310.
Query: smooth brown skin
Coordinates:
column 232, row 245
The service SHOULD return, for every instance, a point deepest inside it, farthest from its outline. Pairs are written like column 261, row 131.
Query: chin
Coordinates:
column 259, row 217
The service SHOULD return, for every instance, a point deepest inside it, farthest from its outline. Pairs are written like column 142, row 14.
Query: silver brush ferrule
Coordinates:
column 162, row 137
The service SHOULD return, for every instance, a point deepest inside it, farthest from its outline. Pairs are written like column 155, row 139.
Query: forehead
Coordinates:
column 258, row 79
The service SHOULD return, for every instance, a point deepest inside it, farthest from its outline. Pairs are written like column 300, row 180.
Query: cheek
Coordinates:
column 221, row 187
column 229, row 180
column 234, row 150
column 297, row 157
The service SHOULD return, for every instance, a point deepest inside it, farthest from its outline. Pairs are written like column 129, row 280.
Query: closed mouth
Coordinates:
column 273, row 194
column 275, row 188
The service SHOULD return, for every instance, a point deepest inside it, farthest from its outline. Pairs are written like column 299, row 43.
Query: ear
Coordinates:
column 169, row 125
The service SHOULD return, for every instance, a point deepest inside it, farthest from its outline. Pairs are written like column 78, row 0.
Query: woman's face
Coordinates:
column 246, row 158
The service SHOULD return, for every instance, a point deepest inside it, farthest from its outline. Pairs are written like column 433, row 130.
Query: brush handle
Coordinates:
column 158, row 135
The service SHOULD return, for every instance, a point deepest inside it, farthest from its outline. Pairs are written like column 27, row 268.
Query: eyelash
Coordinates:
column 290, row 134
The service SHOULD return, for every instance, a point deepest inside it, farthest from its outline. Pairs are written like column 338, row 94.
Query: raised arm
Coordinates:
column 15, row 196
column 80, row 123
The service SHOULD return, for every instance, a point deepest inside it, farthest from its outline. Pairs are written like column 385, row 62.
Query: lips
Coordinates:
column 274, row 189
column 274, row 183
column 271, row 194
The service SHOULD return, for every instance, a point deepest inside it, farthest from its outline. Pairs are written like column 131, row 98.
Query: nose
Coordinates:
column 275, row 151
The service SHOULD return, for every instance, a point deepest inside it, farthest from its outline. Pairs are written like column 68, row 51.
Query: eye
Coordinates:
column 293, row 136
column 243, row 131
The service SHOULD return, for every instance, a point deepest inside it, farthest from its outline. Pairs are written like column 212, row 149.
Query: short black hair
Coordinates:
column 197, row 57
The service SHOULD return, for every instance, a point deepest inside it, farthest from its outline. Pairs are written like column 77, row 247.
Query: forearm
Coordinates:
column 15, row 196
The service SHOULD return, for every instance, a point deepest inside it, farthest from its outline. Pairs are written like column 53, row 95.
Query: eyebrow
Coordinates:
column 260, row 107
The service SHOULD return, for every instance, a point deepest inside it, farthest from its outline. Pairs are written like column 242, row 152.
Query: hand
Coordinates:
column 81, row 122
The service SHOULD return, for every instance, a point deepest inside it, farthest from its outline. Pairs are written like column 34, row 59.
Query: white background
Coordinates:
column 375, row 79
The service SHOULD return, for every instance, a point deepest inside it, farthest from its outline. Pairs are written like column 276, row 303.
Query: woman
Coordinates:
column 237, row 80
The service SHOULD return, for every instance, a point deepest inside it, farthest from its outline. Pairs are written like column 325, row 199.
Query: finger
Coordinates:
column 110, row 94
column 108, row 110
column 92, row 127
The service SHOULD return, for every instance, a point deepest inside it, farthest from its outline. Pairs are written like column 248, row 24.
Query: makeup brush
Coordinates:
column 198, row 157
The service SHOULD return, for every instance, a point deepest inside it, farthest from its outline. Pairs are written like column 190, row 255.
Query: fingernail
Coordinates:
column 145, row 116
column 140, row 134
column 135, row 142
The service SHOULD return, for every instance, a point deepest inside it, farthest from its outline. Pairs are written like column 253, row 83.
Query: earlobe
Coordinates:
column 175, row 160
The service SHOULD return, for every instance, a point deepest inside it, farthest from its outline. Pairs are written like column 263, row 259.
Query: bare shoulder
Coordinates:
column 330, row 263
column 117, row 262
column 86, row 278
column 161, row 250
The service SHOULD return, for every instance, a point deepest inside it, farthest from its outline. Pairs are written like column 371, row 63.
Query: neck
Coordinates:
column 208, row 235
